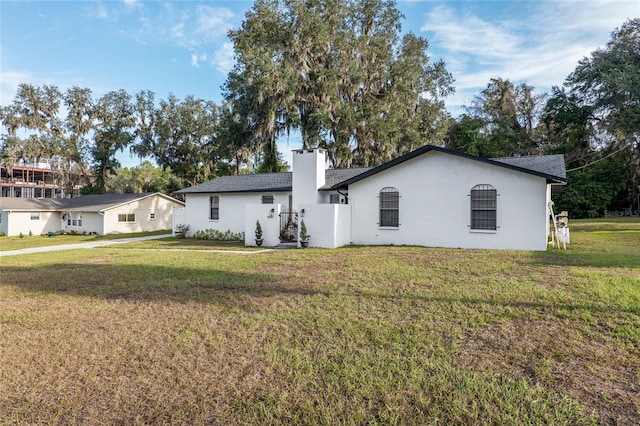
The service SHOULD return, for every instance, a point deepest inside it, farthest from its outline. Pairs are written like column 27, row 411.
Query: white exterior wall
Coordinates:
column 162, row 207
column 435, row 205
column 231, row 210
column 308, row 174
column 91, row 222
column 328, row 225
column 15, row 222
column 270, row 223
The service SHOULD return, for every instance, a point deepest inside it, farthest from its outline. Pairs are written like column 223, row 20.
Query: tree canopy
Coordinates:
column 338, row 72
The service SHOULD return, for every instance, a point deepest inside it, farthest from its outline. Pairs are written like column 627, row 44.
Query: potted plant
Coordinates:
column 304, row 237
column 259, row 239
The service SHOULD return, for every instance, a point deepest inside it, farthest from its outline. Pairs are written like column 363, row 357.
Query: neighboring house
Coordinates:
column 37, row 180
column 100, row 214
column 430, row 197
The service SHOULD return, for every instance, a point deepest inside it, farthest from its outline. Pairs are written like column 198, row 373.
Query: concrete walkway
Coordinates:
column 88, row 245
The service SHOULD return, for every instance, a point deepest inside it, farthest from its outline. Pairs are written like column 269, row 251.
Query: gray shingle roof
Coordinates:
column 548, row 164
column 85, row 203
column 260, row 182
column 31, row 204
column 550, row 167
column 267, row 182
column 336, row 176
column 99, row 202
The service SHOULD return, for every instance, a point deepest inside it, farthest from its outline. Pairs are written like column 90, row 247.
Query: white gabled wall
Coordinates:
column 435, row 205
column 162, row 207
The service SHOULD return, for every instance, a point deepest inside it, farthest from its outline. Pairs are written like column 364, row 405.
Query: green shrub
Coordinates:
column 214, row 234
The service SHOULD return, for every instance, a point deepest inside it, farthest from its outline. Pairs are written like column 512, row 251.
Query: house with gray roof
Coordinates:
column 430, row 197
column 88, row 214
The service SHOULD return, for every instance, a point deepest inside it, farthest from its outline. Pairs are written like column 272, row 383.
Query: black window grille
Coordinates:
column 483, row 207
column 267, row 199
column 389, row 207
column 214, row 207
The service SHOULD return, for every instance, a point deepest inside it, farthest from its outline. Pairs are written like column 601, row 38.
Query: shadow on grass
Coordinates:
column 151, row 283
column 601, row 259
column 520, row 305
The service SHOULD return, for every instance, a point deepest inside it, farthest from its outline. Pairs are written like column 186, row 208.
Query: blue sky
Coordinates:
column 182, row 47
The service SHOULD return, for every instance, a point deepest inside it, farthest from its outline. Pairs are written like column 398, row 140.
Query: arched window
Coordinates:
column 389, row 207
column 214, row 207
column 483, row 207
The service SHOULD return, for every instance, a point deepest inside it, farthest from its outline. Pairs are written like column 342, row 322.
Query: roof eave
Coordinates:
column 428, row 148
column 280, row 189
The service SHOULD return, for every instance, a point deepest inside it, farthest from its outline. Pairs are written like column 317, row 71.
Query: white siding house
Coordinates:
column 430, row 197
column 99, row 214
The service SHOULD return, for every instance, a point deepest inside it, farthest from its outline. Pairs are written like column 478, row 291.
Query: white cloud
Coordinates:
column 9, row 82
column 177, row 31
column 99, row 10
column 197, row 58
column 223, row 58
column 541, row 46
column 188, row 28
column 132, row 4
column 213, row 22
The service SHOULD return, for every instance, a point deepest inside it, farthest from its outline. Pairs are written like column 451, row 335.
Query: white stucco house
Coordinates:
column 100, row 214
column 429, row 197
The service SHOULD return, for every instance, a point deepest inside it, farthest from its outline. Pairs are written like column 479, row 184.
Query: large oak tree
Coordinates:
column 339, row 73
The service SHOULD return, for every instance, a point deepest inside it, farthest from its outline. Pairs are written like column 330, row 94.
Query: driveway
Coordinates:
column 92, row 244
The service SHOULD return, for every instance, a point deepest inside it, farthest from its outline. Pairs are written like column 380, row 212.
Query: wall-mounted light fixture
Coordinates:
column 302, row 213
column 271, row 212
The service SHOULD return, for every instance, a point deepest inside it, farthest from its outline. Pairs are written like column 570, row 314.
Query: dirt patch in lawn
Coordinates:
column 559, row 355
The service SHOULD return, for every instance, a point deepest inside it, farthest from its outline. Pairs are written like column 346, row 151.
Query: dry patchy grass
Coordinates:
column 359, row 335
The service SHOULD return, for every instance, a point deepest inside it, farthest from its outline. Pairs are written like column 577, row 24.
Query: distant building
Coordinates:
column 42, row 179
column 100, row 214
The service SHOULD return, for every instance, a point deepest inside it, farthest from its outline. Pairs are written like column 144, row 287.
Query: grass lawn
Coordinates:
column 357, row 335
column 17, row 243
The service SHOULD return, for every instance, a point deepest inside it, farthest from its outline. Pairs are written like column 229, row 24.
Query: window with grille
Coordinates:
column 267, row 199
column 214, row 207
column 389, row 207
column 35, row 216
column 123, row 218
column 483, row 207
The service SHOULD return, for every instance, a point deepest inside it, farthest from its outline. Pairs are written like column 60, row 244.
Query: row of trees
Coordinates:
column 340, row 74
column 185, row 136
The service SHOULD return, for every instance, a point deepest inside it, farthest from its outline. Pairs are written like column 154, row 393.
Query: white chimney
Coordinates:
column 308, row 175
